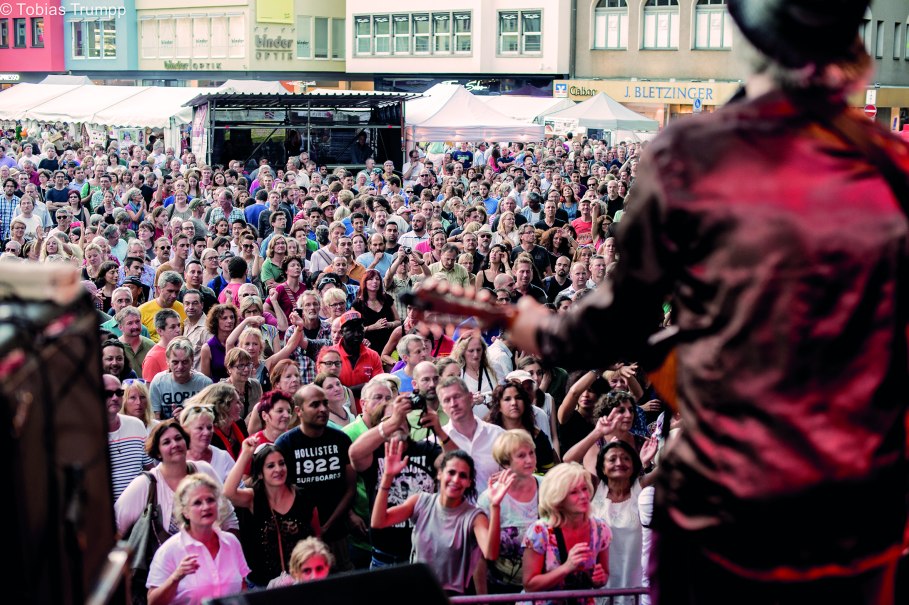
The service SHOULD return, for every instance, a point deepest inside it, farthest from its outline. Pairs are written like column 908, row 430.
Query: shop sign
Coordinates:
column 276, row 48
column 187, row 65
column 10, row 77
column 657, row 92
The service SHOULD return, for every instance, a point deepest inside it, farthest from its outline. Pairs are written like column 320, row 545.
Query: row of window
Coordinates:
column 17, row 37
column 208, row 37
column 444, row 33
column 320, row 38
column 94, row 39
column 712, row 25
column 873, row 35
column 438, row 33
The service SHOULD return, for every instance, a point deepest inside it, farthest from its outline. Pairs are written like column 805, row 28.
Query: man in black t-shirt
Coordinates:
column 320, row 463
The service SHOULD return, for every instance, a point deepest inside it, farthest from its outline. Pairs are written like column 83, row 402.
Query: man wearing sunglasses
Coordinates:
column 125, row 438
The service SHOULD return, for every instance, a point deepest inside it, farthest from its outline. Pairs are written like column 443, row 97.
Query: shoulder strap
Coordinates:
column 874, row 145
column 152, row 489
column 560, row 540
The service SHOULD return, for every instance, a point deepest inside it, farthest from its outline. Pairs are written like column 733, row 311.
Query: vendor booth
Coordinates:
column 451, row 113
column 98, row 113
column 602, row 117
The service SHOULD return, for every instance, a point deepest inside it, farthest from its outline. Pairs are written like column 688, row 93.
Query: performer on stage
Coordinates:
column 776, row 228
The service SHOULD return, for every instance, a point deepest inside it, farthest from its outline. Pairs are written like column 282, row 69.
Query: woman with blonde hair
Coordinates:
column 476, row 372
column 506, row 231
column 310, row 560
column 199, row 421
column 331, row 303
column 201, row 561
column 566, row 548
column 136, row 402
column 513, row 450
column 229, row 429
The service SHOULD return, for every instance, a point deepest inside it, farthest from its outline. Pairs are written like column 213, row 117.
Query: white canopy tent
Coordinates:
column 526, row 109
column 457, row 115
column 65, row 79
column 153, row 107
column 603, row 112
column 109, row 106
column 259, row 87
column 16, row 101
column 80, row 104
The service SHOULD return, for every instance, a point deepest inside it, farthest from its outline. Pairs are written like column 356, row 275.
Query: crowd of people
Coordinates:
column 266, row 383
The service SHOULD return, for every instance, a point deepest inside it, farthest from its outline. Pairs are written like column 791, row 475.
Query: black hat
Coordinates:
column 798, row 32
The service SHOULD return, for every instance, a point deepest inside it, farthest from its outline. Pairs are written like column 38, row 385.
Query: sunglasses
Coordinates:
column 130, row 381
column 110, row 393
column 164, row 248
column 248, row 246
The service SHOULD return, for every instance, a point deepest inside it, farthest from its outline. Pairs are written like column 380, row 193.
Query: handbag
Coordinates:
column 146, row 535
column 283, row 578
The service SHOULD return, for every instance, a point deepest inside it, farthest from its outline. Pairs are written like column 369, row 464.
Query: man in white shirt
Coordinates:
column 417, row 233
column 412, row 169
column 471, row 434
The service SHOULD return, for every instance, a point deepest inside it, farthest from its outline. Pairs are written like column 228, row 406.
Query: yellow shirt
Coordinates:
column 150, row 309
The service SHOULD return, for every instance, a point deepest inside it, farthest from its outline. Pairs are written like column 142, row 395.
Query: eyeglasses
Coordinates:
column 110, row 393
column 331, row 364
column 244, row 366
column 338, row 305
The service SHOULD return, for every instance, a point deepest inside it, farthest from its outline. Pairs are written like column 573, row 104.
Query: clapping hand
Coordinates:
column 649, row 451
column 499, row 487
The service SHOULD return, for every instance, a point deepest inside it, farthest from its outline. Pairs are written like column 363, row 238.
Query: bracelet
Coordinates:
column 382, row 487
column 446, row 440
column 382, row 431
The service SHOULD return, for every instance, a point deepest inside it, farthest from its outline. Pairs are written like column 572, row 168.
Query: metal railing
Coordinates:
column 552, row 595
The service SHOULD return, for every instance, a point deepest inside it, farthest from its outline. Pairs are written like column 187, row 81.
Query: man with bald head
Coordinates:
column 319, row 461
column 425, row 379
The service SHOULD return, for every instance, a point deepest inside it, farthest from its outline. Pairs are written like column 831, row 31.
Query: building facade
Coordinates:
column 31, row 42
column 410, row 45
column 666, row 58
column 100, row 40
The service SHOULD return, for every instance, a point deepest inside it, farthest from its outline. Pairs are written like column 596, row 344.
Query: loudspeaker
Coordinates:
column 402, row 585
column 60, row 523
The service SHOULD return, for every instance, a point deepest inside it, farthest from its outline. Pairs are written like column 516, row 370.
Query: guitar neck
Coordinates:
column 432, row 304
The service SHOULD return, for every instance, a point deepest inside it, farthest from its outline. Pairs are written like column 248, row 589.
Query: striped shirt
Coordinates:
column 127, row 452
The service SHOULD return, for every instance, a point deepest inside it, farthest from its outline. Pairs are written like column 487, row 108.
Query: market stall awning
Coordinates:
column 603, row 112
column 524, row 108
column 153, row 107
column 16, row 101
column 464, row 117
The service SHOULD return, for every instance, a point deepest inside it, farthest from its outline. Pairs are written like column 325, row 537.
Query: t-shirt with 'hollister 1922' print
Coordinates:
column 319, row 465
